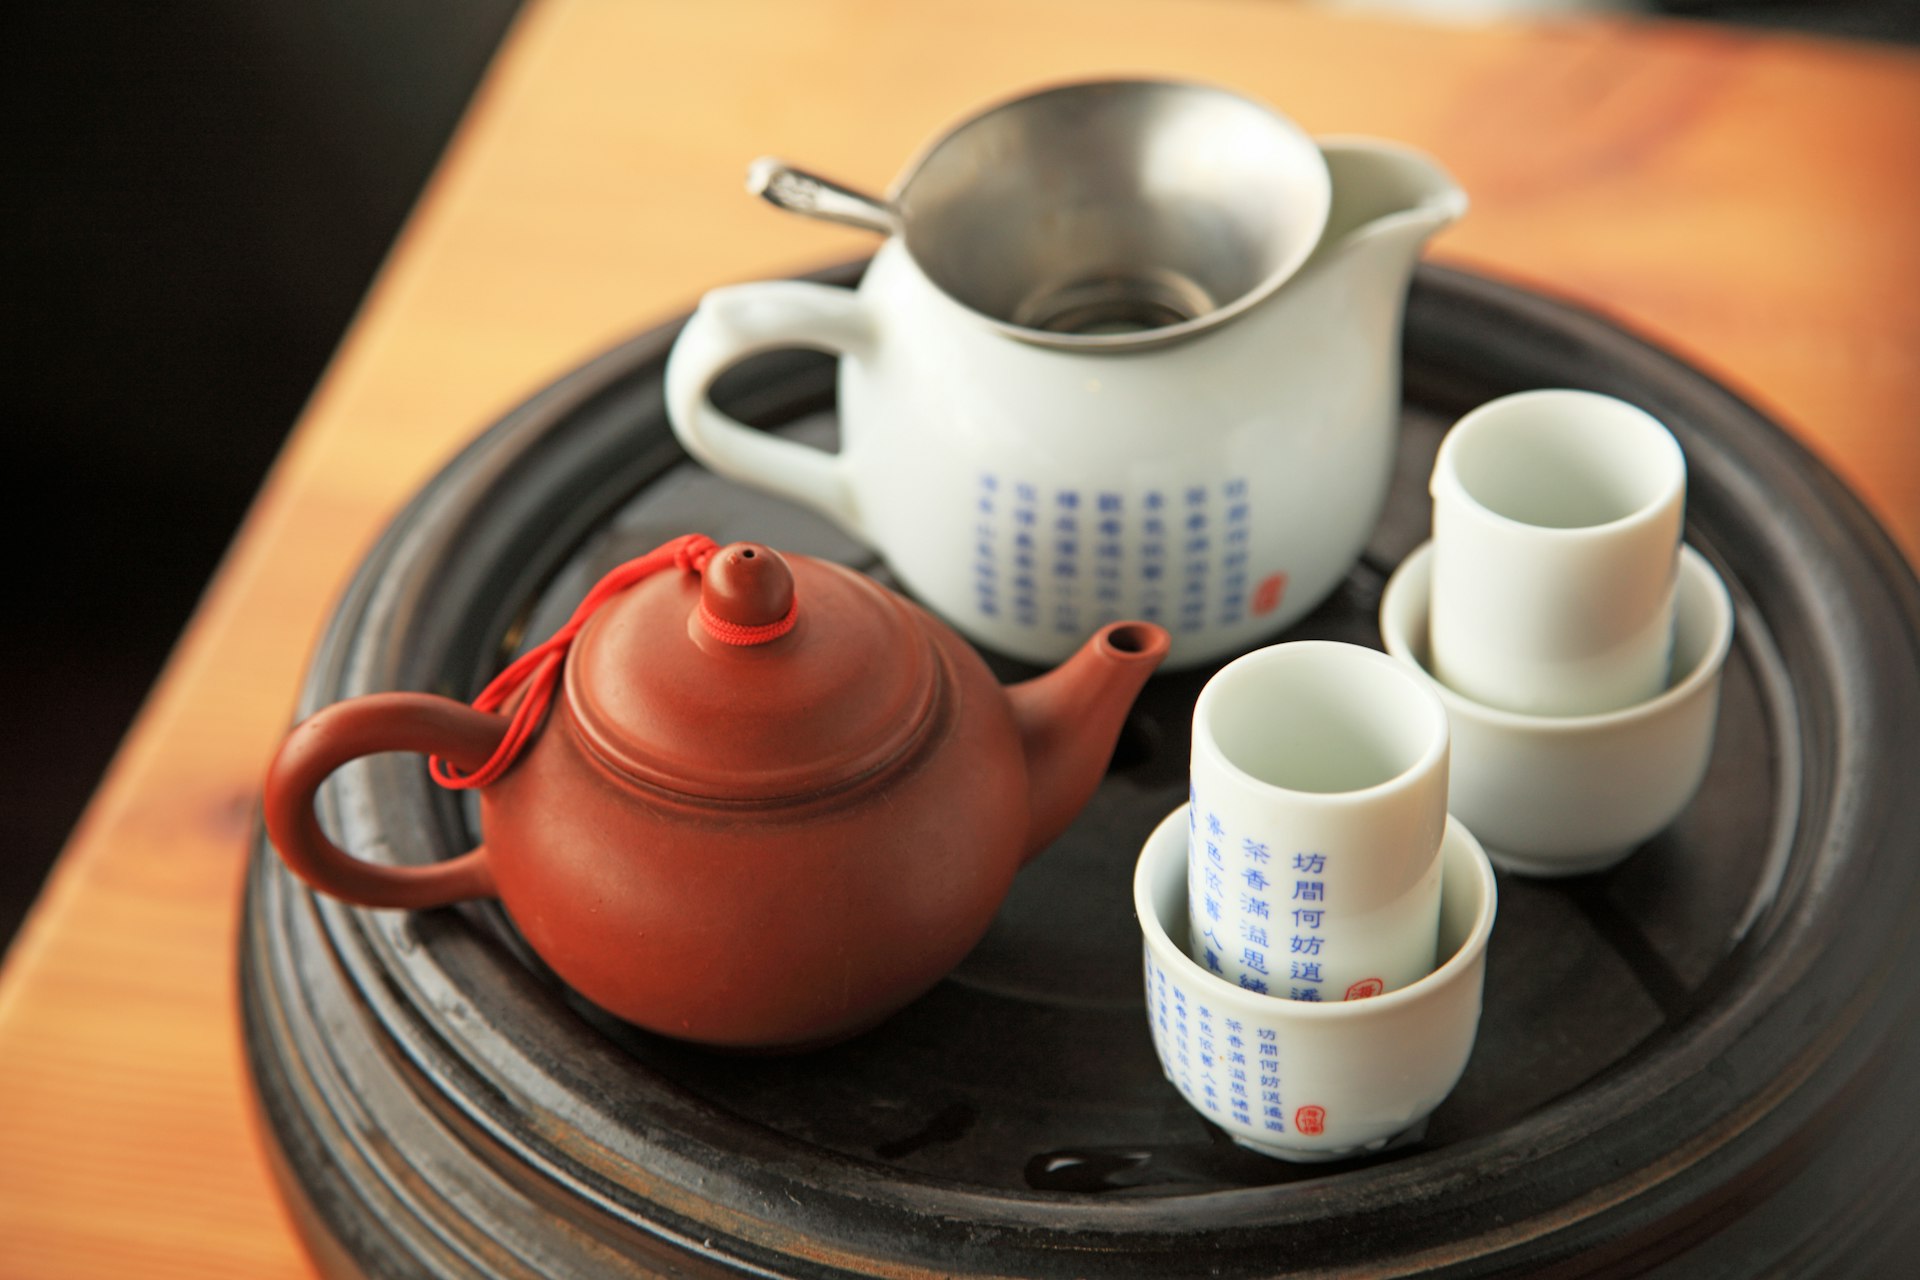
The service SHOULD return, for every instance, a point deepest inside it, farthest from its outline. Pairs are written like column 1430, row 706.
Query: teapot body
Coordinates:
column 771, row 925
column 737, row 800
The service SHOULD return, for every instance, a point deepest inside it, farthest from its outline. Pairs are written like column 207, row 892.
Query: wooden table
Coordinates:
column 1748, row 200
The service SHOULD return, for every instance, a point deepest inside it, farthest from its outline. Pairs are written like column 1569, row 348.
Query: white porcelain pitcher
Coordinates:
column 1029, row 489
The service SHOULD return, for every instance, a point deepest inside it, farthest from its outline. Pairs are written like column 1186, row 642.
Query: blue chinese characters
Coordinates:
column 1070, row 561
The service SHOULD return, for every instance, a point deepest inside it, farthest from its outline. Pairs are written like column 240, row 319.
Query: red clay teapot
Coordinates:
column 773, row 802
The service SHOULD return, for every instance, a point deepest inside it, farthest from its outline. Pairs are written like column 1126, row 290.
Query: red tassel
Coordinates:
column 535, row 674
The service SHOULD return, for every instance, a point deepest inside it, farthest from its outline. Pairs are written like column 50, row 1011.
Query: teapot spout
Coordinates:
column 1070, row 719
column 1388, row 200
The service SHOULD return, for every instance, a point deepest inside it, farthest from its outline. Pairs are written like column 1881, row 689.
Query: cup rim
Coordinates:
column 1433, row 755
column 1456, row 842
column 1447, row 475
column 1321, row 196
column 1403, row 609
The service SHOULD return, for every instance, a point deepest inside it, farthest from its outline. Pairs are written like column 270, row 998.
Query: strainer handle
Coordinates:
column 744, row 320
column 811, row 196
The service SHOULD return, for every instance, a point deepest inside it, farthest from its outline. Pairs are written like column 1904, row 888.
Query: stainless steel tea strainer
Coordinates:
column 1108, row 214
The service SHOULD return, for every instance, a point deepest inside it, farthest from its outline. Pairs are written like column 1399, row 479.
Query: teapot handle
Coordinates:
column 366, row 726
column 743, row 320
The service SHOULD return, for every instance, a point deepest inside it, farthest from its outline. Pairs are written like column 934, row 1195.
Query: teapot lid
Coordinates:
column 760, row 677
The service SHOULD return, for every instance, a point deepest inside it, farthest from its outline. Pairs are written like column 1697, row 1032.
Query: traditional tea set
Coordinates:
column 1120, row 388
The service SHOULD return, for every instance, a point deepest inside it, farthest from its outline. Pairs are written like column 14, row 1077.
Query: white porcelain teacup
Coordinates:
column 1568, row 795
column 1218, row 475
column 1556, row 544
column 1305, row 1081
column 1318, row 801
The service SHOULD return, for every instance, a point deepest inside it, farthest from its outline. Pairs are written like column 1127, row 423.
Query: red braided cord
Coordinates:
column 741, row 633
column 536, row 673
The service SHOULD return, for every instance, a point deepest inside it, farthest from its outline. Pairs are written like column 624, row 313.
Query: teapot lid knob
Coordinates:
column 746, row 595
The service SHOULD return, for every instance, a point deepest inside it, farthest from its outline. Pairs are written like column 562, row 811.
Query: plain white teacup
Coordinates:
column 1305, row 1081
column 1556, row 534
column 1319, row 797
column 1568, row 795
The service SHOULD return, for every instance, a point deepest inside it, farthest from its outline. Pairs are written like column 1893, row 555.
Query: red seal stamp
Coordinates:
column 1310, row 1121
column 1266, row 596
column 1364, row 988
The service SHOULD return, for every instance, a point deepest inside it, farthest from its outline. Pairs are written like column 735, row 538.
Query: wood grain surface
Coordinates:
column 1748, row 200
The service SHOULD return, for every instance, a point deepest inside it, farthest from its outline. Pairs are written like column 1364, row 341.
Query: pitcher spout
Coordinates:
column 1070, row 719
column 1388, row 200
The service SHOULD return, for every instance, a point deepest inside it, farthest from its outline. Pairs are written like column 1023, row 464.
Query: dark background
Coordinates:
column 197, row 195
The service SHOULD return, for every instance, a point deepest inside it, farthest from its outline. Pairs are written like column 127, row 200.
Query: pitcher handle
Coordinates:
column 743, row 320
column 366, row 726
